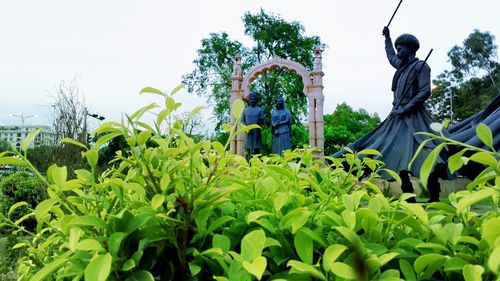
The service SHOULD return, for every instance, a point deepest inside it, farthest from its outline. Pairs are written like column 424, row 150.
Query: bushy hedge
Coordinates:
column 21, row 186
column 192, row 211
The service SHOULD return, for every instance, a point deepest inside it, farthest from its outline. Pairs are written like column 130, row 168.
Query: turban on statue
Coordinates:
column 409, row 41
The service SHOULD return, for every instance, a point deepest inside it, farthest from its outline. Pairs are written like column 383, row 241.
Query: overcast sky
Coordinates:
column 114, row 48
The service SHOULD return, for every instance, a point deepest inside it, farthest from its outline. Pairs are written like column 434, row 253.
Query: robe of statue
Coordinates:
column 253, row 115
column 281, row 130
column 395, row 138
column 465, row 131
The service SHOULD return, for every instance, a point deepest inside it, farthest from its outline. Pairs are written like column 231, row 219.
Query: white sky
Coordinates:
column 117, row 47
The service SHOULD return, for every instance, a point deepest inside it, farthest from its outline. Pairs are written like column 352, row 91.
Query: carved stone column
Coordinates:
column 311, row 103
column 236, row 145
column 316, row 93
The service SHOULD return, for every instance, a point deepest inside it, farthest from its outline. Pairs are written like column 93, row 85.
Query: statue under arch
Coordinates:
column 313, row 90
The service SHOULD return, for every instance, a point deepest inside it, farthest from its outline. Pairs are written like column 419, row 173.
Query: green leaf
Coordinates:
column 45, row 272
column 89, row 245
column 331, row 254
column 454, row 264
column 88, row 220
column 141, row 275
column 475, row 197
column 253, row 216
column 491, row 231
column 443, row 207
column 128, row 265
column 257, row 267
column 429, row 162
column 494, row 260
column 418, row 211
column 385, row 258
column 142, row 137
column 194, row 269
column 349, row 234
column 164, row 182
column 455, row 162
column 74, row 142
column 104, row 139
column 246, row 128
column 407, row 270
column 304, row 247
column 219, row 222
column 152, row 91
column 295, row 219
column 12, row 160
column 369, row 152
column 437, row 127
column 140, row 112
column 349, row 218
column 157, row 201
column 227, row 127
column 343, row 270
column 99, row 268
column 44, row 207
column 15, row 206
column 177, row 89
column 313, row 235
column 484, row 134
column 92, row 157
column 138, row 221
column 393, row 174
column 424, row 261
column 300, row 267
column 252, row 245
column 222, row 242
column 280, row 199
column 237, row 108
column 29, row 138
column 484, row 158
column 473, row 272
column 20, row 245
column 115, row 241
column 57, row 175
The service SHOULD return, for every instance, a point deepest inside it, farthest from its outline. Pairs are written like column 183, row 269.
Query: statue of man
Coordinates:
column 253, row 114
column 395, row 138
column 281, row 127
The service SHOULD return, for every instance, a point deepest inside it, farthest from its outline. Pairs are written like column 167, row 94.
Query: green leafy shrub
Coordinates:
column 21, row 186
column 185, row 210
column 8, row 258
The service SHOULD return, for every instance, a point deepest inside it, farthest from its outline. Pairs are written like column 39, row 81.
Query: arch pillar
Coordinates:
column 237, row 144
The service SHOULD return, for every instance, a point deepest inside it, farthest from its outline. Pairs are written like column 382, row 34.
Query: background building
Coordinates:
column 15, row 134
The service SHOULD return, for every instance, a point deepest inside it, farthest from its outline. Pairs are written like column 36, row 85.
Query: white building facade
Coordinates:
column 16, row 134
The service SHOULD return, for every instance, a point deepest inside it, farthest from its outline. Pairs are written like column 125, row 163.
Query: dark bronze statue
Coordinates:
column 281, row 122
column 395, row 138
column 253, row 114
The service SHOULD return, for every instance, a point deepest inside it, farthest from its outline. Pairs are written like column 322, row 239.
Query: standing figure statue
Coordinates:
column 281, row 127
column 253, row 114
column 395, row 138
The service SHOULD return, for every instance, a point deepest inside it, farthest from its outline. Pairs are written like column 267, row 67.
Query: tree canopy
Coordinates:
column 471, row 84
column 272, row 36
column 346, row 125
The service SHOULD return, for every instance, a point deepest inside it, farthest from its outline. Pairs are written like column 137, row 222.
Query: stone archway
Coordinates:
column 313, row 89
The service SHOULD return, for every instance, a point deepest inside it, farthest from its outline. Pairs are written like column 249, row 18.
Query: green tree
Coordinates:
column 41, row 157
column 346, row 125
column 472, row 81
column 4, row 145
column 272, row 36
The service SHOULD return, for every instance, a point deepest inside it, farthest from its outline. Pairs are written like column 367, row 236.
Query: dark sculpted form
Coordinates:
column 253, row 114
column 395, row 137
column 281, row 121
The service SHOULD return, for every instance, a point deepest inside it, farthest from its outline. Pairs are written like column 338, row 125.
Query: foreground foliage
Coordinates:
column 182, row 210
